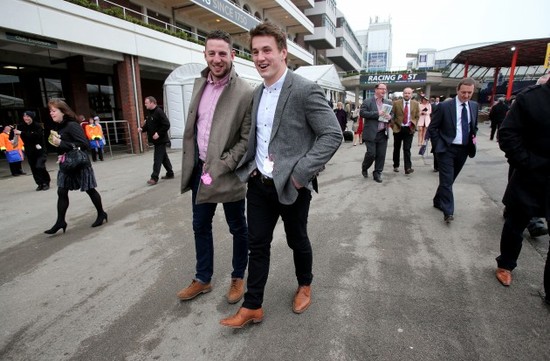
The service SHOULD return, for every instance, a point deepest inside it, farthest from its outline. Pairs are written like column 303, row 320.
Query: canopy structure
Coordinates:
column 324, row 75
column 531, row 52
column 327, row 78
column 516, row 57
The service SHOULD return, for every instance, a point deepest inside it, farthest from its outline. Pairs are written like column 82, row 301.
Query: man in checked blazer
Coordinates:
column 450, row 141
column 294, row 134
column 406, row 113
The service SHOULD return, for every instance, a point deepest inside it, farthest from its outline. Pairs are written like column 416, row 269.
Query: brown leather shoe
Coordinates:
column 243, row 317
column 302, row 299
column 504, row 276
column 236, row 290
column 193, row 290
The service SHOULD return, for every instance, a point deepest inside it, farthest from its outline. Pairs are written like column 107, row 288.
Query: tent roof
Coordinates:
column 324, row 75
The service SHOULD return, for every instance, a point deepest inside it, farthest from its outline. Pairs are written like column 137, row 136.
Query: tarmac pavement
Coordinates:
column 392, row 280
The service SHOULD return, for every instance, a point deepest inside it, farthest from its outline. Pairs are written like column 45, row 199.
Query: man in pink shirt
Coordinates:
column 214, row 141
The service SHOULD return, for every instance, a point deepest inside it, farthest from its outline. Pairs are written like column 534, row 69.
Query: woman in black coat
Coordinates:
column 71, row 135
column 32, row 135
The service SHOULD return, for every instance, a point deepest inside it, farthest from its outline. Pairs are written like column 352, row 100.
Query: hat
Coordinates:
column 30, row 113
column 96, row 118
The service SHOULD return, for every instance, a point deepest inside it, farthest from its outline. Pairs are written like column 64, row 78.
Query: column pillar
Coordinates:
column 77, row 85
column 128, row 74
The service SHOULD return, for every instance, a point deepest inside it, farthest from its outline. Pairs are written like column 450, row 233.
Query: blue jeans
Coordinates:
column 204, row 242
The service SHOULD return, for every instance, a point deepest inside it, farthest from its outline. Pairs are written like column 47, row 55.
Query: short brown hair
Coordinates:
column 466, row 81
column 220, row 35
column 267, row 28
column 151, row 99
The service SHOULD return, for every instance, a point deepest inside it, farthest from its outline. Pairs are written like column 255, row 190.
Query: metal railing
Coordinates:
column 117, row 135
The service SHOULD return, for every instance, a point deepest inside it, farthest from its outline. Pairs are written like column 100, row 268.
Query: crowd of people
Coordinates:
column 241, row 146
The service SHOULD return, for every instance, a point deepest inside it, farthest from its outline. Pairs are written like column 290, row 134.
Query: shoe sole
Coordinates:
column 296, row 311
column 195, row 295
column 505, row 284
column 252, row 320
column 232, row 302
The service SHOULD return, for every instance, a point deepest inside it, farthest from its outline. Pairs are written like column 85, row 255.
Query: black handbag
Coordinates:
column 73, row 160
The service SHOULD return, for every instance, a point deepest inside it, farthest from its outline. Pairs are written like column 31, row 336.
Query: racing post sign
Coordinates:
column 547, row 57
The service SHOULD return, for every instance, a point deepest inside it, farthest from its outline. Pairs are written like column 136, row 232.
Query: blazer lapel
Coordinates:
column 283, row 97
column 452, row 109
column 256, row 104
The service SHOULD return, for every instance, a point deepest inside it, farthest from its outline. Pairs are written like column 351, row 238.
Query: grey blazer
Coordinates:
column 369, row 113
column 304, row 137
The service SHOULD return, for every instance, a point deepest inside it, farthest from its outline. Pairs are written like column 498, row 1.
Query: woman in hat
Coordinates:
column 32, row 134
column 69, row 136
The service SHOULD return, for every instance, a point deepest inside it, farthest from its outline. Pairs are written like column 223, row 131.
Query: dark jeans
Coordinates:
column 403, row 136
column 494, row 129
column 16, row 168
column 263, row 211
column 96, row 152
column 161, row 158
column 511, row 241
column 376, row 153
column 204, row 241
column 450, row 164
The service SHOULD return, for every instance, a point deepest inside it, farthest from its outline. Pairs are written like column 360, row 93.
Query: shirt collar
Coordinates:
column 279, row 83
column 223, row 81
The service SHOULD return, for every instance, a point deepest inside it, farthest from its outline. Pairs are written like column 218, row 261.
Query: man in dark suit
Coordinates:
column 375, row 131
column 406, row 113
column 452, row 131
column 525, row 139
column 496, row 115
column 294, row 134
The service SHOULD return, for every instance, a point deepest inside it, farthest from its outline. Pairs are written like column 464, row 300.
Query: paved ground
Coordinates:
column 392, row 281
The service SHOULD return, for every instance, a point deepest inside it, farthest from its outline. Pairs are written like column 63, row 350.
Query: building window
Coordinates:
column 258, row 16
column 202, row 35
column 185, row 28
column 50, row 88
column 246, row 9
column 155, row 18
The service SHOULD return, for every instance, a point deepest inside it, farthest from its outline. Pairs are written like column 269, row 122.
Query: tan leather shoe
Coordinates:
column 302, row 299
column 243, row 317
column 236, row 290
column 504, row 276
column 193, row 290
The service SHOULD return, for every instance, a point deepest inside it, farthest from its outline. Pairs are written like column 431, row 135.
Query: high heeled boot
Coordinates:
column 56, row 227
column 100, row 218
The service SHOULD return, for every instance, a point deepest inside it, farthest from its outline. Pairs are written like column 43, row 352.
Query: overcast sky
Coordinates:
column 439, row 25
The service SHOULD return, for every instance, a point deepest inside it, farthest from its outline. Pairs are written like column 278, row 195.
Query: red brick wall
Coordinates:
column 128, row 100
